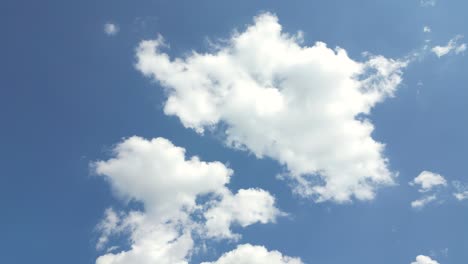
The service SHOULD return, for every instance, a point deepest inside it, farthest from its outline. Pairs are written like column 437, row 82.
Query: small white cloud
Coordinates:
column 247, row 253
column 111, row 29
column 452, row 45
column 420, row 203
column 461, row 191
column 427, row 3
column 427, row 29
column 247, row 207
column 461, row 196
column 460, row 48
column 428, row 180
column 421, row 259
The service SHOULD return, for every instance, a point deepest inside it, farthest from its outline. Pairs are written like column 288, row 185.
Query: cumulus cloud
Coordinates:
column 421, row 259
column 452, row 46
column 111, row 29
column 427, row 180
column 420, row 203
column 248, row 254
column 157, row 174
column 151, row 242
column 305, row 106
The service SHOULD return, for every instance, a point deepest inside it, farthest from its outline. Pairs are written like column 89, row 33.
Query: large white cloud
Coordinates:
column 157, row 173
column 159, row 176
column 304, row 106
column 421, row 259
column 248, row 254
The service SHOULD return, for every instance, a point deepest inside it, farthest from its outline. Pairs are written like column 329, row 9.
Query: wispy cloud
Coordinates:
column 420, row 203
column 428, row 3
column 111, row 29
column 452, row 46
column 461, row 191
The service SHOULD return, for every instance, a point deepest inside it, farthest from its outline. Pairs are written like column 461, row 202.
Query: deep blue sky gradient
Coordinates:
column 68, row 92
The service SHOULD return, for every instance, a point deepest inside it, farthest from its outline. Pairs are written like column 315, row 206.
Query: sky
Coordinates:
column 221, row 132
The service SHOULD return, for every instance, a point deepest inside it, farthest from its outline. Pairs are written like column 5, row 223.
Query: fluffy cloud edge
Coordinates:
column 427, row 180
column 421, row 259
column 249, row 254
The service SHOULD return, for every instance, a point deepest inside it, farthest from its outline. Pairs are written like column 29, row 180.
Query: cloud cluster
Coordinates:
column 452, row 46
column 421, row 259
column 305, row 106
column 156, row 174
column 427, row 181
column 434, row 187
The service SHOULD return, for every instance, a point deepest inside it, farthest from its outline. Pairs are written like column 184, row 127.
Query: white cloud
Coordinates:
column 461, row 48
column 111, row 29
column 107, row 227
column 304, row 106
column 452, row 46
column 428, row 180
column 428, row 3
column 157, row 174
column 461, row 196
column 245, row 208
column 248, row 254
column 151, row 242
column 420, row 203
column 461, row 191
column 426, row 29
column 421, row 259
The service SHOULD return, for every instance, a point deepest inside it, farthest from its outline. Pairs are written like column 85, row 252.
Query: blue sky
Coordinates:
column 306, row 152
